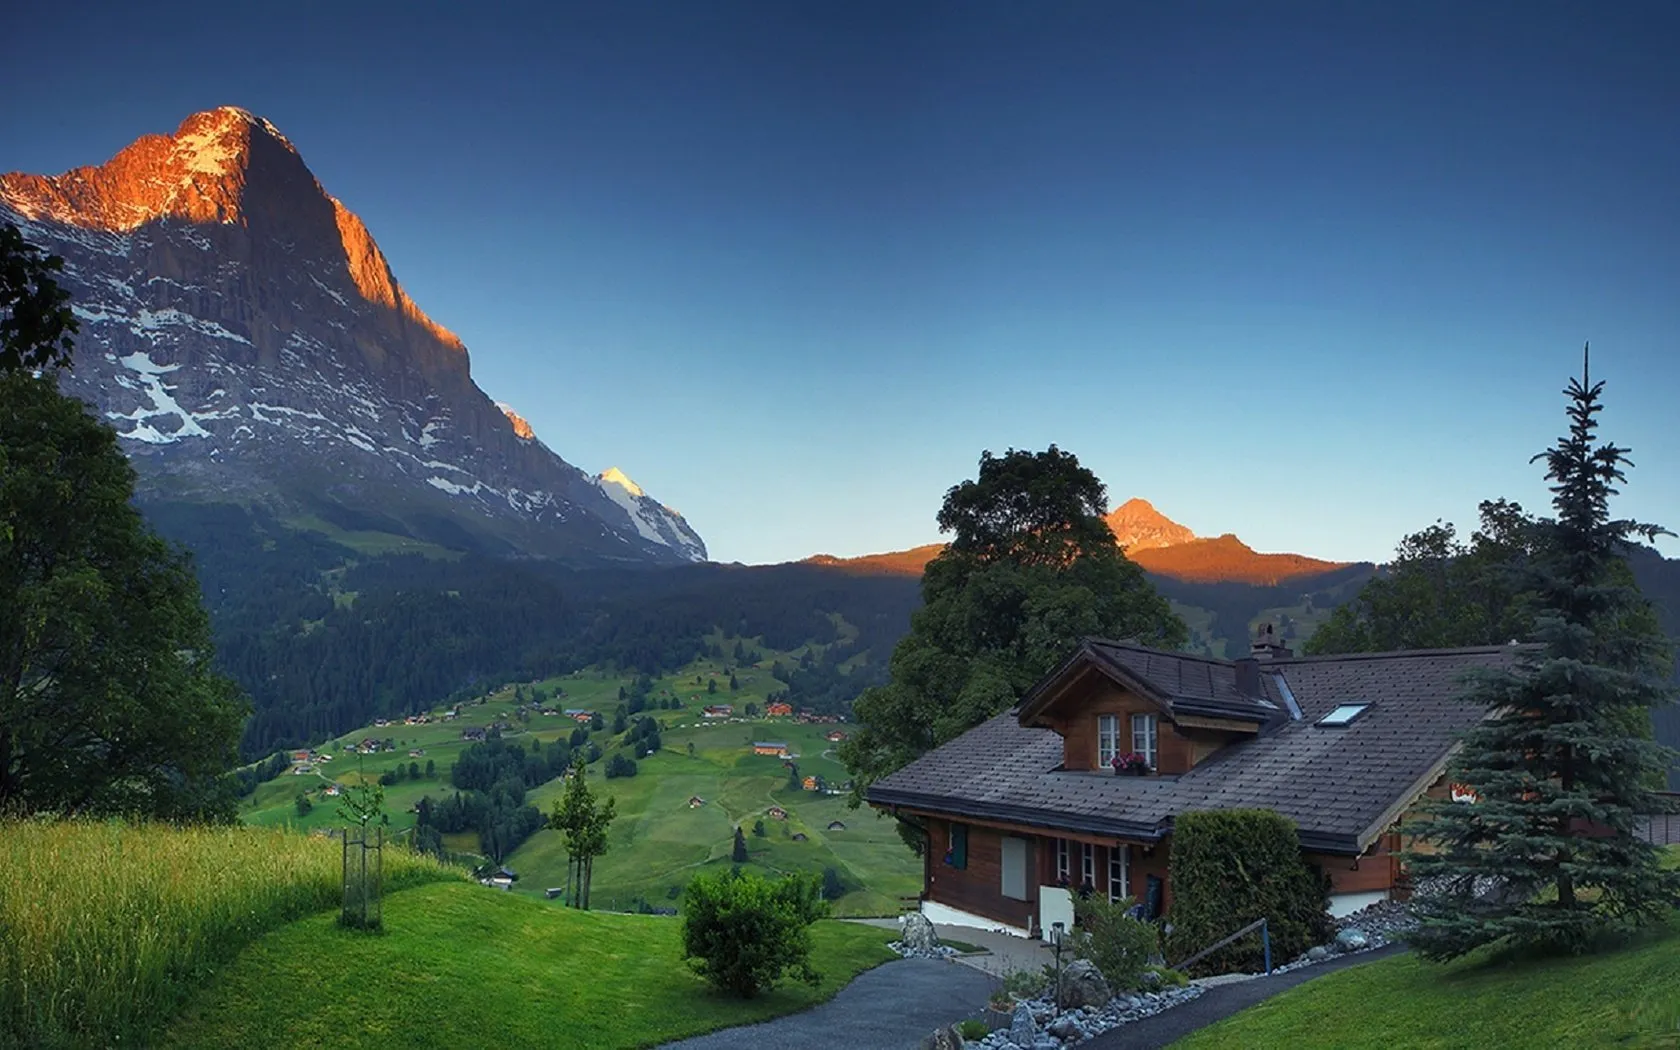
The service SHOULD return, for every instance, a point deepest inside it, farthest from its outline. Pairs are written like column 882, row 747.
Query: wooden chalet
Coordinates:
column 1028, row 808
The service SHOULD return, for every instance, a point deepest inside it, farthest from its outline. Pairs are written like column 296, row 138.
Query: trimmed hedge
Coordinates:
column 1231, row 867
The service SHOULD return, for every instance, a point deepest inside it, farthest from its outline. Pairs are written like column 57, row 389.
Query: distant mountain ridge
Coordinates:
column 248, row 339
column 1153, row 540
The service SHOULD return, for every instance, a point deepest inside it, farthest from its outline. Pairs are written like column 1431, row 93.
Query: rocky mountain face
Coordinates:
column 245, row 335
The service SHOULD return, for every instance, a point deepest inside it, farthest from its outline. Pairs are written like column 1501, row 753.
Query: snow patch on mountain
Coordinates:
column 654, row 521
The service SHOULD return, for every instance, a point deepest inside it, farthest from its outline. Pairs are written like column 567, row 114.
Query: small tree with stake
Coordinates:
column 1564, row 760
column 362, row 804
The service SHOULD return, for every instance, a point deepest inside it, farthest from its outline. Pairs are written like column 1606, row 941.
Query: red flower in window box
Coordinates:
column 1129, row 763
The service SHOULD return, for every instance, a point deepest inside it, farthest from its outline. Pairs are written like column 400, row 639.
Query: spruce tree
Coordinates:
column 1564, row 762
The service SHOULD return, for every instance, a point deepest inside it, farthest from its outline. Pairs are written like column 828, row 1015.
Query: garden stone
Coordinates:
column 1047, row 1042
column 1065, row 1027
column 1351, row 940
column 919, row 932
column 1082, row 984
column 947, row 1038
column 1022, row 1028
column 1318, row 953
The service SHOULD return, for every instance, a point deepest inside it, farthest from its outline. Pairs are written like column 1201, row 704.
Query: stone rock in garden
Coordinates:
column 1351, row 940
column 1151, row 979
column 1066, row 1027
column 1047, row 1042
column 1318, row 953
column 919, row 932
column 1082, row 984
column 947, row 1038
column 1022, row 1028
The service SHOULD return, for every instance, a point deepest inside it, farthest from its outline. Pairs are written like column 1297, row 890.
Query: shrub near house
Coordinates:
column 1233, row 867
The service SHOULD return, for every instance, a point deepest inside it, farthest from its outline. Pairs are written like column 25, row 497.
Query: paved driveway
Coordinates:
column 892, row 1007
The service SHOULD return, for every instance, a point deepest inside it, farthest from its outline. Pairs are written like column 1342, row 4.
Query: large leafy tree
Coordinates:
column 1032, row 568
column 36, row 323
column 1559, row 767
column 1441, row 592
column 108, row 700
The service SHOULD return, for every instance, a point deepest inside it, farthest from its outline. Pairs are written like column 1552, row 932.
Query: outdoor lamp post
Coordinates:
column 1056, row 930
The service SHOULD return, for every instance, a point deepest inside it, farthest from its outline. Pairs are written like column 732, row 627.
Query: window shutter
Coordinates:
column 959, row 845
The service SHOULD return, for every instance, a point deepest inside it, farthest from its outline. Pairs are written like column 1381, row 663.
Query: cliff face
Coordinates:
column 247, row 337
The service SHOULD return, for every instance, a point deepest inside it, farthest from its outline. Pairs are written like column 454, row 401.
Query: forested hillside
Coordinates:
column 326, row 638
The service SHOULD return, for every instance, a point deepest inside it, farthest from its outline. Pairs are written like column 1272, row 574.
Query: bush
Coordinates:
column 1119, row 945
column 1024, row 984
column 973, row 1030
column 743, row 932
column 1232, row 867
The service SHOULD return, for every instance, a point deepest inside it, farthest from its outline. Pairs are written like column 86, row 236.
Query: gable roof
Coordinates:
column 1178, row 683
column 1342, row 785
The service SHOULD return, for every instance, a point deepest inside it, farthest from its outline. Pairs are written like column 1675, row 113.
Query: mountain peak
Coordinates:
column 614, row 476
column 1138, row 526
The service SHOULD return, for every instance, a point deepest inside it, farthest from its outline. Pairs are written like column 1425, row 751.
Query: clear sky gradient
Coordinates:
column 1314, row 274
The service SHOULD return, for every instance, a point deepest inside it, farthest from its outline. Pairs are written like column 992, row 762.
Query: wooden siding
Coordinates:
column 978, row 888
column 1378, row 868
column 1074, row 715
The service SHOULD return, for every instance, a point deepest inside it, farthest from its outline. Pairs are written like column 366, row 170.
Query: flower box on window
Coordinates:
column 1129, row 764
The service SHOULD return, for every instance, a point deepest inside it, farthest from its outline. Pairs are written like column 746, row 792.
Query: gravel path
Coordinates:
column 1220, row 1002
column 892, row 1007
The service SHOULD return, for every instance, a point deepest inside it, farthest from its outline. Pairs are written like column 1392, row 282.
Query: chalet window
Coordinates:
column 1119, row 871
column 1108, row 739
column 1014, row 868
column 957, row 855
column 1063, row 867
column 1087, row 865
column 1145, row 738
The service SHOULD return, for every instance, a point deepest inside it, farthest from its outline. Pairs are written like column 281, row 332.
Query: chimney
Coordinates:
column 1268, row 646
column 1248, row 676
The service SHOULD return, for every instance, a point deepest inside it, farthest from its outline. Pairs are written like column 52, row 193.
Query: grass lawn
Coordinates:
column 1628, row 997
column 459, row 965
column 106, row 927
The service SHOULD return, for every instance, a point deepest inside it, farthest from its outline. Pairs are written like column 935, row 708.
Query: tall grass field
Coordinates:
column 106, row 927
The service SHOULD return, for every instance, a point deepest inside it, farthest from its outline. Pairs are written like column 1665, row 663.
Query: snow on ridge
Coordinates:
column 614, row 476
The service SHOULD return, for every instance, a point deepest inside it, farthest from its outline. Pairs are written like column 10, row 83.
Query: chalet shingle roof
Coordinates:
column 1341, row 786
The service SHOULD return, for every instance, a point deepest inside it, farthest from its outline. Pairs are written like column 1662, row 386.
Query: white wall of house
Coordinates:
column 945, row 915
column 1347, row 903
column 1055, row 904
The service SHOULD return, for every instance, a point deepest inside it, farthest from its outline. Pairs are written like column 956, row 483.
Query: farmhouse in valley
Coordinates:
column 770, row 747
column 1030, row 806
column 578, row 714
column 834, row 736
column 777, row 709
column 717, row 710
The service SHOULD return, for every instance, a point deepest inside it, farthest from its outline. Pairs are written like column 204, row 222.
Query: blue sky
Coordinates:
column 1314, row 274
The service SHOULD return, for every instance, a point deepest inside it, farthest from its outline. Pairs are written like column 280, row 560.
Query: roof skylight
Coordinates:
column 1343, row 714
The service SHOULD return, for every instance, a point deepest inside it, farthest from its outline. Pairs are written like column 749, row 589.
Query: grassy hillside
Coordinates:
column 658, row 841
column 459, row 965
column 107, row 927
